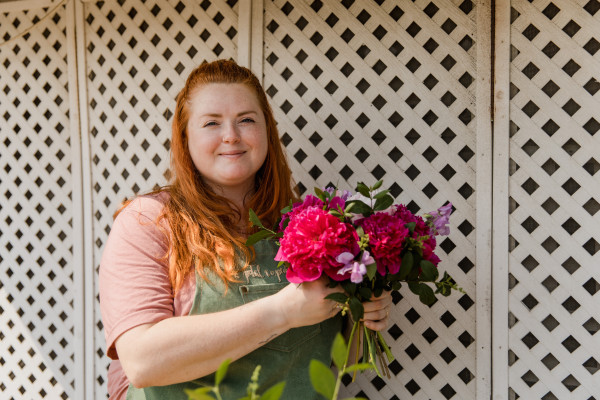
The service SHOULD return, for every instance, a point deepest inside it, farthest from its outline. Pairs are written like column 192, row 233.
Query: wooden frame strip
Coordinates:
column 500, row 260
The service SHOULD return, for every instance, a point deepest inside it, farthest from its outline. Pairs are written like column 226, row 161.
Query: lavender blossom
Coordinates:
column 438, row 220
column 358, row 269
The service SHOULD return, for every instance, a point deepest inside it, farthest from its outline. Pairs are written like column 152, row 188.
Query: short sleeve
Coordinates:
column 134, row 281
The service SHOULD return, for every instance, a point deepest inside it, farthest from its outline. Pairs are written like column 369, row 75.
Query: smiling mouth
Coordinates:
column 232, row 153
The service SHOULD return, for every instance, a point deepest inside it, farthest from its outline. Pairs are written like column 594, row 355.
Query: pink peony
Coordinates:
column 386, row 238
column 309, row 201
column 312, row 241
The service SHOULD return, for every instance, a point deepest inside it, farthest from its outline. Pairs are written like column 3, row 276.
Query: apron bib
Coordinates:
column 285, row 358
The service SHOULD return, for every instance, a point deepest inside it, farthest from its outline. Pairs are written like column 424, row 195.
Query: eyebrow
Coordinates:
column 238, row 114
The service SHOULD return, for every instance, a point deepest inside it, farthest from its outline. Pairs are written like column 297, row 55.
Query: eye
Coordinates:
column 210, row 123
column 247, row 120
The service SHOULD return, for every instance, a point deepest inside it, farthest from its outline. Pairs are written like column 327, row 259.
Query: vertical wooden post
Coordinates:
column 484, row 150
column 79, row 270
column 500, row 200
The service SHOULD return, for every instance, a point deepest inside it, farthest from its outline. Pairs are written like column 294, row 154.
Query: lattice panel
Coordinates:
column 36, row 261
column 139, row 54
column 554, row 200
column 365, row 90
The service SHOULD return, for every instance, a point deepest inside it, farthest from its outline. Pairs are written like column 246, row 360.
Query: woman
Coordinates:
column 179, row 290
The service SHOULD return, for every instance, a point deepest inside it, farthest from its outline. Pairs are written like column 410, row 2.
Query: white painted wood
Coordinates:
column 500, row 201
column 256, row 56
column 87, row 198
column 20, row 5
column 79, row 270
column 244, row 40
column 484, row 171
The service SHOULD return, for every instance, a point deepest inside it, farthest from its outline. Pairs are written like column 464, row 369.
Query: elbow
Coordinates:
column 139, row 375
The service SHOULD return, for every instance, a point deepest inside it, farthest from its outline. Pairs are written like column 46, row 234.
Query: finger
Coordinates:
column 378, row 304
column 376, row 325
column 376, row 315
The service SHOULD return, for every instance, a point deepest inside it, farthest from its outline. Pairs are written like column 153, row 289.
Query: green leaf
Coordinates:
column 383, row 202
column 371, row 270
column 426, row 295
column 286, row 209
column 221, row 371
column 429, row 271
column 396, row 285
column 338, row 351
column 321, row 378
column 443, row 289
column 358, row 367
column 349, row 287
column 320, row 194
column 411, row 226
column 356, row 309
column 406, row 265
column 381, row 194
column 363, row 189
column 199, row 394
column 359, row 207
column 337, row 296
column 274, row 392
column 377, row 184
column 378, row 291
column 257, row 237
column 365, row 292
column 254, row 219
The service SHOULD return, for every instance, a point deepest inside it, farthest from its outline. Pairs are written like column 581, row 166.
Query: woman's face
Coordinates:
column 227, row 135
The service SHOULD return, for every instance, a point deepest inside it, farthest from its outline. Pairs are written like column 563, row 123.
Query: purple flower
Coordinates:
column 357, row 269
column 439, row 219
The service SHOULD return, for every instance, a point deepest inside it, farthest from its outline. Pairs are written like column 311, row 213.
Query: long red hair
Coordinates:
column 201, row 221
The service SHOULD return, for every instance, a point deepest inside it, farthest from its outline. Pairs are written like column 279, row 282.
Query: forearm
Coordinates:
column 180, row 349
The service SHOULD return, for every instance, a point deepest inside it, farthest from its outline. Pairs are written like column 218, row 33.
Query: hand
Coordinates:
column 305, row 304
column 377, row 311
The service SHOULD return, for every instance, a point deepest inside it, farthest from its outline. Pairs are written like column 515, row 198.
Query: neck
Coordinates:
column 237, row 195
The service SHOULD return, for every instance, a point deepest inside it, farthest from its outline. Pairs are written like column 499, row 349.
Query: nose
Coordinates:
column 231, row 134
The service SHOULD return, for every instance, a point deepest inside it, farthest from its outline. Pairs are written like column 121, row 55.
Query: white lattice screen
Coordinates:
column 37, row 320
column 554, row 192
column 362, row 90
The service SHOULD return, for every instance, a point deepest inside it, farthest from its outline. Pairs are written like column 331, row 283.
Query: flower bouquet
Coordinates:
column 365, row 243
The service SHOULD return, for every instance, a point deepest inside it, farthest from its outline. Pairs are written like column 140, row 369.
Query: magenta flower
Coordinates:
column 386, row 238
column 356, row 269
column 428, row 251
column 309, row 201
column 312, row 241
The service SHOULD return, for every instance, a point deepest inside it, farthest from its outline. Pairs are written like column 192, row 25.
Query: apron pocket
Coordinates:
column 290, row 340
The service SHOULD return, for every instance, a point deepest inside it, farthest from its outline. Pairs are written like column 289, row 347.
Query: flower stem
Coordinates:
column 341, row 373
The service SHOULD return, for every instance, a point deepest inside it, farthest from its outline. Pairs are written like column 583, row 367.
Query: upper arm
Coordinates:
column 134, row 282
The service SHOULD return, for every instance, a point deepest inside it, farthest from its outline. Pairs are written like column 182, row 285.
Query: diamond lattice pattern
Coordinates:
column 36, row 260
column 365, row 91
column 554, row 192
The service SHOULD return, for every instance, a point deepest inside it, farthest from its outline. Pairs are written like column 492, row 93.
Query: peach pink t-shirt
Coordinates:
column 134, row 282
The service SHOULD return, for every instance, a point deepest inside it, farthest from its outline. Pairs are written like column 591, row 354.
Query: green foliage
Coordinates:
column 429, row 271
column 322, row 379
column 254, row 219
column 257, row 237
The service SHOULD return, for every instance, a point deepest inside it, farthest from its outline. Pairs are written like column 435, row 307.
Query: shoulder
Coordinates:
column 149, row 206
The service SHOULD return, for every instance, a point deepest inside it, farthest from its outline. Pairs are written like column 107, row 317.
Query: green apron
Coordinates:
column 285, row 358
